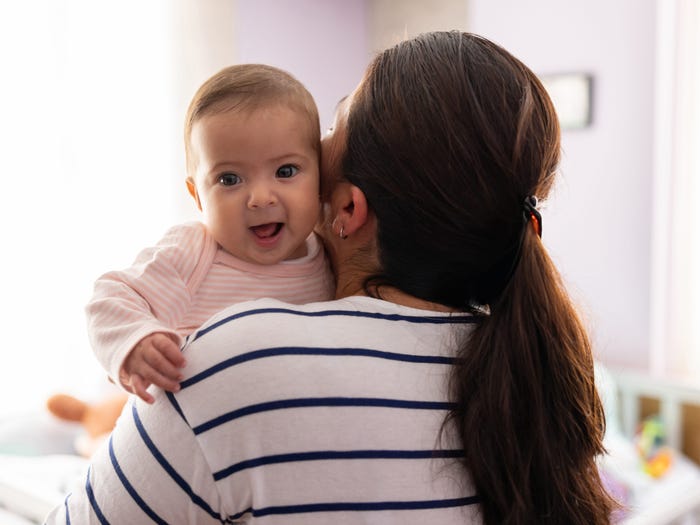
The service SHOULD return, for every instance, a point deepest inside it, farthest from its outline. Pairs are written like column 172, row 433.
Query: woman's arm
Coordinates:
column 151, row 469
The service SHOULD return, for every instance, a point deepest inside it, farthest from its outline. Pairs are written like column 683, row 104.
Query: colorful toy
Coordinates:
column 650, row 442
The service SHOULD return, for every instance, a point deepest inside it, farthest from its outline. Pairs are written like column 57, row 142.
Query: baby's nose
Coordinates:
column 261, row 196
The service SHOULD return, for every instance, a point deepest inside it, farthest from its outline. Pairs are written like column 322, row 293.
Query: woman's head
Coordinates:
column 447, row 134
column 439, row 147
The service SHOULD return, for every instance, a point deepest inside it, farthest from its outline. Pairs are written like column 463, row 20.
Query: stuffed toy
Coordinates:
column 97, row 419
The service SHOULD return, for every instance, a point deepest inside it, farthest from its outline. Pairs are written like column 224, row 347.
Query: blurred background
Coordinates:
column 92, row 101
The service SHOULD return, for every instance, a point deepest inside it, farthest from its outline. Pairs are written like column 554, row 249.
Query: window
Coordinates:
column 90, row 152
column 676, row 243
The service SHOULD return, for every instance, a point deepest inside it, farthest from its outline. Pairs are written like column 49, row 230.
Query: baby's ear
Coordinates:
column 192, row 189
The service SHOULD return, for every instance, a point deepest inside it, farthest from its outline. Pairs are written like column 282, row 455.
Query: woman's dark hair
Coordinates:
column 447, row 135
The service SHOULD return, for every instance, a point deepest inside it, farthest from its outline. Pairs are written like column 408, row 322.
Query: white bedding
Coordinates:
column 30, row 486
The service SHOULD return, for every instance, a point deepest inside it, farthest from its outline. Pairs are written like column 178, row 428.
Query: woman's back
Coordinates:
column 339, row 410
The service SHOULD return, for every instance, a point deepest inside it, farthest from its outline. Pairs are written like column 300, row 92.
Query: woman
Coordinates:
column 450, row 382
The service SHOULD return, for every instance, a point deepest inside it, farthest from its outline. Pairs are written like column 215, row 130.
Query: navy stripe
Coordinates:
column 65, row 502
column 93, row 501
column 322, row 402
column 336, row 454
column 130, row 489
column 176, row 406
column 300, row 350
column 444, row 319
column 197, row 500
column 361, row 506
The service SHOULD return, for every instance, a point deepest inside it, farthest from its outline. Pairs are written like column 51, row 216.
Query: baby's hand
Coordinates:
column 156, row 359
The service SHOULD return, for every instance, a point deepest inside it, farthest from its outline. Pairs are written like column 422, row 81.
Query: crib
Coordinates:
column 674, row 498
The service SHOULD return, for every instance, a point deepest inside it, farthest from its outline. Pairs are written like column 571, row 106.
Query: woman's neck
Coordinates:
column 396, row 296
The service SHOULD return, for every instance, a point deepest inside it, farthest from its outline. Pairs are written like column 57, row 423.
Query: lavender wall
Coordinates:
column 321, row 42
column 597, row 225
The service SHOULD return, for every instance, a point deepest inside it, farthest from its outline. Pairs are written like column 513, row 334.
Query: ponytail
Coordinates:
column 529, row 416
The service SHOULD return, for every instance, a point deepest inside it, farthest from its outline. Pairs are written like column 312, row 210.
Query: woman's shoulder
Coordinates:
column 247, row 331
column 269, row 322
column 269, row 313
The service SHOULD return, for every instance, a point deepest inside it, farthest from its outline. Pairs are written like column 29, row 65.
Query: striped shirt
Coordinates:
column 314, row 414
column 175, row 286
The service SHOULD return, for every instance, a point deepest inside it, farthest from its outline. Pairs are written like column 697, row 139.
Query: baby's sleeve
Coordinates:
column 150, row 296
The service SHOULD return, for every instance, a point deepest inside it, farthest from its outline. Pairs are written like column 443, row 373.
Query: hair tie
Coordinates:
column 511, row 258
column 531, row 214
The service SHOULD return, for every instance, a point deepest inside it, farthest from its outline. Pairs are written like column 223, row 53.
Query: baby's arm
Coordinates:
column 153, row 296
column 157, row 360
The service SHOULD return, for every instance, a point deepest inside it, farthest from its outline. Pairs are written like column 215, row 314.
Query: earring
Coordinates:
column 341, row 234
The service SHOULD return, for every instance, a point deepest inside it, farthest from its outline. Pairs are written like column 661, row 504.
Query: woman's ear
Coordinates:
column 351, row 208
column 192, row 188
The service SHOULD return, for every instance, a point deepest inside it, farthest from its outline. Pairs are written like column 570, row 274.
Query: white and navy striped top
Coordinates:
column 314, row 414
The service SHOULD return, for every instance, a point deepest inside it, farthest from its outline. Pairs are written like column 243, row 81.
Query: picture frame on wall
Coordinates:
column 572, row 95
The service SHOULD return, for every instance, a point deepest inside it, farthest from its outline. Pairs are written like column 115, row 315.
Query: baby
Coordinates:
column 252, row 144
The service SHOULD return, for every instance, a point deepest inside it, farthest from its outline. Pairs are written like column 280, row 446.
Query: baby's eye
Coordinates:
column 229, row 179
column 287, row 171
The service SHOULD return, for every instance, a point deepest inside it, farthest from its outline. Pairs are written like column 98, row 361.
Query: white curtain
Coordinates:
column 676, row 244
column 92, row 101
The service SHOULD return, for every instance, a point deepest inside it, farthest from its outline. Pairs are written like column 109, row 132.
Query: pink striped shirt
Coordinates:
column 177, row 285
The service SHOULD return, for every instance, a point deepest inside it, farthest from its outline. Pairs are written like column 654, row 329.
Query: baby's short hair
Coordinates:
column 248, row 87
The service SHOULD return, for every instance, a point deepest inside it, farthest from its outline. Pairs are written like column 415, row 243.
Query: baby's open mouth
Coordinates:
column 264, row 231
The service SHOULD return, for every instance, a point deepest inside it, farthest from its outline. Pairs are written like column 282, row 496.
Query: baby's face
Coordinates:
column 257, row 181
